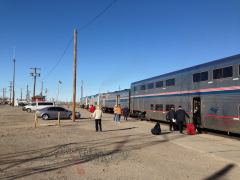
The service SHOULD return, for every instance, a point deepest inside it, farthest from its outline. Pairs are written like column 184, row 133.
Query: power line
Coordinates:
column 60, row 59
column 91, row 21
column 97, row 16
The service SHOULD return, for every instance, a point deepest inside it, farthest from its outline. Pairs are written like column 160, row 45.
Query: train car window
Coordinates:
column 152, row 107
column 134, row 88
column 170, row 82
column 204, row 76
column 142, row 87
column 227, row 72
column 196, row 77
column 217, row 73
column 168, row 107
column 159, row 107
column 150, row 86
column 159, row 84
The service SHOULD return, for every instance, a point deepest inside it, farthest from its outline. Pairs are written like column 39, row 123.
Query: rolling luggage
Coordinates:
column 191, row 130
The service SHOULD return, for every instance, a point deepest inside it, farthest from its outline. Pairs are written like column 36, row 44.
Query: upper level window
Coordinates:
column 196, row 77
column 159, row 84
column 203, row 76
column 150, row 86
column 217, row 73
column 227, row 72
column 170, row 82
column 142, row 87
column 223, row 72
column 134, row 88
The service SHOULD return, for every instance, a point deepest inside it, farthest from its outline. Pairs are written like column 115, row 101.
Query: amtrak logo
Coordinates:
column 213, row 110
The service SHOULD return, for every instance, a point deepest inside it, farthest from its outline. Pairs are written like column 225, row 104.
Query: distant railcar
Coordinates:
column 117, row 97
column 214, row 87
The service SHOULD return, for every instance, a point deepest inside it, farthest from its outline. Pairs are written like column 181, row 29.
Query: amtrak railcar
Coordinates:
column 117, row 97
column 214, row 87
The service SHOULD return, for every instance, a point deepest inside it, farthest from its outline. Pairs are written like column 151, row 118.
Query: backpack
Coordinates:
column 156, row 130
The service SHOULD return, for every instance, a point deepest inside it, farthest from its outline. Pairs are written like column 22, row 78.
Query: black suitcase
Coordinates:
column 157, row 129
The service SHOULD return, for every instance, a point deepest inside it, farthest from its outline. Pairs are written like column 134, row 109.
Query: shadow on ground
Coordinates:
column 123, row 129
column 221, row 173
column 25, row 163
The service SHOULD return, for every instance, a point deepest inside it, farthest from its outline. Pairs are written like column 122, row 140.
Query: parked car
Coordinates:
column 37, row 105
column 52, row 113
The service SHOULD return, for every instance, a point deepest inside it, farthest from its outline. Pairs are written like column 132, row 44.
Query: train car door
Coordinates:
column 197, row 104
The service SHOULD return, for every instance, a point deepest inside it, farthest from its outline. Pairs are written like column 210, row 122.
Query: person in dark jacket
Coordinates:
column 125, row 113
column 197, row 119
column 170, row 116
column 181, row 118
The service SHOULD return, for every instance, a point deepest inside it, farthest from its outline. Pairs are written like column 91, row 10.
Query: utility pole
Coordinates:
column 46, row 91
column 82, row 92
column 27, row 95
column 3, row 95
column 42, row 89
column 35, row 74
column 59, row 82
column 74, row 75
column 21, row 94
column 10, row 91
column 13, row 99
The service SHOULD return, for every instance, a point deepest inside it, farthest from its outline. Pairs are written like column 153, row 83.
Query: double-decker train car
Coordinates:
column 109, row 100
column 214, row 87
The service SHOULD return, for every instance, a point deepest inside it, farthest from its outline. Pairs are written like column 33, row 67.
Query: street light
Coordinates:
column 59, row 82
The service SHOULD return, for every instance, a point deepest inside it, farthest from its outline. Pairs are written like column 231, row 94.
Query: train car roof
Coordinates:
column 211, row 63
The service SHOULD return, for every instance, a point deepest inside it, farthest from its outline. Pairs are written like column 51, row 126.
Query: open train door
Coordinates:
column 197, row 103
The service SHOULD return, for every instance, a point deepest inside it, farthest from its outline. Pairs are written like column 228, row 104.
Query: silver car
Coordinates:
column 52, row 113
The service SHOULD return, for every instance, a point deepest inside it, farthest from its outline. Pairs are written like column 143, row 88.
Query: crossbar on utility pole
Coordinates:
column 74, row 75
column 35, row 74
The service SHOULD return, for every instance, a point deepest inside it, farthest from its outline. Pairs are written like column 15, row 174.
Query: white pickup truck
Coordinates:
column 37, row 105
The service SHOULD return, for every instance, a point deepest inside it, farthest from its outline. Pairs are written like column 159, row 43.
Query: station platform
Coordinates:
column 220, row 147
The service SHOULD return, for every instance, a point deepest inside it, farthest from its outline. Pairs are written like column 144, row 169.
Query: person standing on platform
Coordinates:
column 119, row 113
column 98, row 118
column 125, row 113
column 91, row 110
column 115, row 113
column 181, row 118
column 197, row 119
column 171, row 118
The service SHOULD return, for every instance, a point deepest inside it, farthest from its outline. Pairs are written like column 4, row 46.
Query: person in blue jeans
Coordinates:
column 115, row 113
column 119, row 112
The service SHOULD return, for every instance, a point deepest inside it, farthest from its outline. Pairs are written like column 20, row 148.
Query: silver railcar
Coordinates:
column 117, row 97
column 212, row 86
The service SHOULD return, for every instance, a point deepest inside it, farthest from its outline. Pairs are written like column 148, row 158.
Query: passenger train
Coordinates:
column 214, row 87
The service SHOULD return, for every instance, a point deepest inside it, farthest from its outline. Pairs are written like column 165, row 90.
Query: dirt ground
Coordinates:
column 122, row 151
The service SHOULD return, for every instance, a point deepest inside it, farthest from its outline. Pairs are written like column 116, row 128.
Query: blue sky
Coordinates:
column 134, row 40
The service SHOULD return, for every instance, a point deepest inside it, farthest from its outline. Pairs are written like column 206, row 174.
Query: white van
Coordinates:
column 37, row 105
